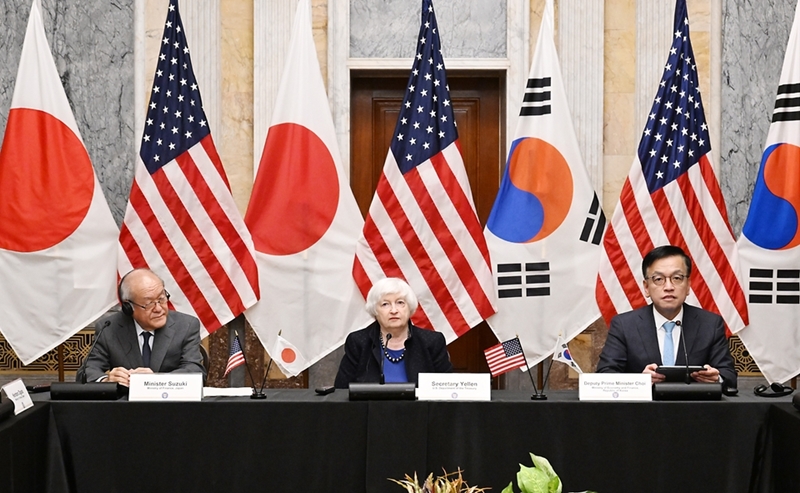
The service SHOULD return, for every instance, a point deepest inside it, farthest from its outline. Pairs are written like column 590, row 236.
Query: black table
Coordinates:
column 782, row 464
column 297, row 441
column 24, row 451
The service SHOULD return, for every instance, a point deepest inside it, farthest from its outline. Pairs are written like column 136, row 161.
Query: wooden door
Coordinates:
column 477, row 103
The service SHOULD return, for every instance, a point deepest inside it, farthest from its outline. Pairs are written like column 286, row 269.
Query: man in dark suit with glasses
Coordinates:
column 641, row 340
column 144, row 337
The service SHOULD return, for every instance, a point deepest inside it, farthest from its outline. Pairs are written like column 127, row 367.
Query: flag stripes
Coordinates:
column 535, row 101
column 787, row 103
column 181, row 219
column 421, row 225
column 505, row 357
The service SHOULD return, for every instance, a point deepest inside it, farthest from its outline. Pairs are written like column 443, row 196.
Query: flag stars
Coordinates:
column 399, row 136
column 676, row 164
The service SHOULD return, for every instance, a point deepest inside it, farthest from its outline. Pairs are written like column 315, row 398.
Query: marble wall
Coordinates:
column 92, row 44
column 468, row 28
column 754, row 37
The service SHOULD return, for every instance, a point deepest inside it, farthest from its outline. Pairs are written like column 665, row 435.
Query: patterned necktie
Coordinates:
column 669, row 346
column 146, row 349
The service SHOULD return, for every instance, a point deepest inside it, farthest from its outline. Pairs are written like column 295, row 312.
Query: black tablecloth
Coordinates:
column 297, row 441
column 24, row 451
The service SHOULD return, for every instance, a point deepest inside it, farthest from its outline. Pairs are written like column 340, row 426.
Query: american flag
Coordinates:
column 505, row 357
column 181, row 220
column 237, row 356
column 422, row 224
column 672, row 196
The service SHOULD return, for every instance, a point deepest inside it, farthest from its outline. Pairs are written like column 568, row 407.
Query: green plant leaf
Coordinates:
column 508, row 489
column 532, row 480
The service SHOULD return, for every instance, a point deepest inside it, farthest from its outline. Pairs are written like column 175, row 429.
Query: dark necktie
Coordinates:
column 146, row 349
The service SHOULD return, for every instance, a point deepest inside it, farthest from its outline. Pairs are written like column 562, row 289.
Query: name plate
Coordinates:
column 16, row 391
column 615, row 387
column 166, row 387
column 454, row 387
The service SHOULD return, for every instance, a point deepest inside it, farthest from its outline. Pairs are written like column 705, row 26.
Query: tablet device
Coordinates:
column 677, row 373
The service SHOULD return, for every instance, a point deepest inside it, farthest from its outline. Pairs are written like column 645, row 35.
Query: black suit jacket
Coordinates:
column 176, row 346
column 632, row 343
column 426, row 352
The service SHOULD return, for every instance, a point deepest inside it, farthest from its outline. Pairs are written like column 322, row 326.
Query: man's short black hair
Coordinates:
column 665, row 251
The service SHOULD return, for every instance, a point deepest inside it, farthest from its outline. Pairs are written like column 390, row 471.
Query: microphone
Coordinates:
column 685, row 353
column 82, row 368
column 383, row 350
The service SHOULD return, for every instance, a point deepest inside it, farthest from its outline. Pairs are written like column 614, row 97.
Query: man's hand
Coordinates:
column 651, row 369
column 709, row 375
column 120, row 375
column 141, row 369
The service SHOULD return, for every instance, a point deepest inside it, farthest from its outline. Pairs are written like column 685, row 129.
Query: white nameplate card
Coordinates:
column 166, row 387
column 16, row 391
column 615, row 387
column 454, row 387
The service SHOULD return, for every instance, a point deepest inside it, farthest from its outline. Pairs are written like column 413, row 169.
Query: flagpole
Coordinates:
column 257, row 394
column 537, row 396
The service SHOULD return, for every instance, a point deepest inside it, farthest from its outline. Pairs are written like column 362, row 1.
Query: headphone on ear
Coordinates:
column 778, row 390
column 126, row 306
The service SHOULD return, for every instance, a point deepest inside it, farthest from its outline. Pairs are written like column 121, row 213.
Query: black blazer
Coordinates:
column 426, row 352
column 176, row 346
column 632, row 343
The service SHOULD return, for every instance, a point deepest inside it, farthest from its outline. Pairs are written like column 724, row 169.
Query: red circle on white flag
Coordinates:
column 295, row 194
column 288, row 355
column 46, row 181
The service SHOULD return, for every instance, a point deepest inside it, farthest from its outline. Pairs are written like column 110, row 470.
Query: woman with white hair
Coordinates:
column 392, row 349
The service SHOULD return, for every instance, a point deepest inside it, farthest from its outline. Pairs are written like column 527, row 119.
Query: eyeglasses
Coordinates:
column 161, row 300
column 387, row 305
column 659, row 280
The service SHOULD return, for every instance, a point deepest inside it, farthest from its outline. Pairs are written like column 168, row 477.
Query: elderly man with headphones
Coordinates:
column 145, row 337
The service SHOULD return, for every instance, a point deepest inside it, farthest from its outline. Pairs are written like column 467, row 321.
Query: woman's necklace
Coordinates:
column 391, row 358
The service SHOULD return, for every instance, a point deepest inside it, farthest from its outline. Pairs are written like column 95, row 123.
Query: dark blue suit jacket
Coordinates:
column 632, row 343
column 426, row 352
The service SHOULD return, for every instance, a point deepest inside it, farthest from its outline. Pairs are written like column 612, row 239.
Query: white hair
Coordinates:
column 390, row 285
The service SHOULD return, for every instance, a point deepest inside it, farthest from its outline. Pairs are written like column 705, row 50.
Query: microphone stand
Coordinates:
column 82, row 368
column 688, row 377
column 383, row 349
